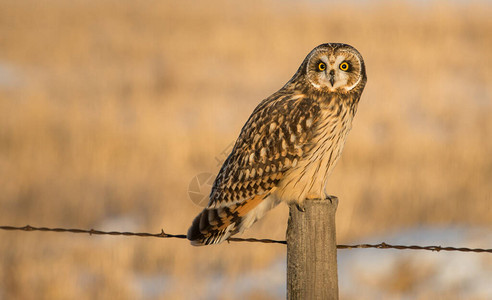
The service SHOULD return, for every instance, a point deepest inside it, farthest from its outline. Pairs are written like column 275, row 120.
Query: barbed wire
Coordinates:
column 163, row 234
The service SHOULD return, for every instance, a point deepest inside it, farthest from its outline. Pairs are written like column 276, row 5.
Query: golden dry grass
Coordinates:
column 109, row 109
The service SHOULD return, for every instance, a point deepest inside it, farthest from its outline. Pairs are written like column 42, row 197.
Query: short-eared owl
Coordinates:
column 289, row 145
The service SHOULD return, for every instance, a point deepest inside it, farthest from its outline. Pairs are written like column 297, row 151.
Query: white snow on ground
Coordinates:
column 464, row 275
column 369, row 273
column 9, row 75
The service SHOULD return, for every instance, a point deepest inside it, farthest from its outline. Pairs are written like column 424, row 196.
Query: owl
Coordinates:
column 288, row 146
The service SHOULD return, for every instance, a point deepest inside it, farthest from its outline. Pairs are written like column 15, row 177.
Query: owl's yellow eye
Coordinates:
column 321, row 66
column 344, row 66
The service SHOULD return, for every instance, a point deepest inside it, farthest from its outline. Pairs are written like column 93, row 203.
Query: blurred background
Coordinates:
column 110, row 109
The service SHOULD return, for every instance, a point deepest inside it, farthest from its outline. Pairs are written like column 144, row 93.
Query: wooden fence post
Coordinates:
column 312, row 251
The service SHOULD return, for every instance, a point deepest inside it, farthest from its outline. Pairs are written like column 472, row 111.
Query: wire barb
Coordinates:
column 162, row 234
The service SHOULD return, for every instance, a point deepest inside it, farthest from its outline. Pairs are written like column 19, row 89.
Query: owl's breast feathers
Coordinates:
column 280, row 135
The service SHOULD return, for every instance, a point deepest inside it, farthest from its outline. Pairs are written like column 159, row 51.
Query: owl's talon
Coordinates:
column 300, row 207
column 331, row 198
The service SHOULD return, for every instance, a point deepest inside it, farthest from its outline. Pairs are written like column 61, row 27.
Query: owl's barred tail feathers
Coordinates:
column 215, row 225
column 205, row 231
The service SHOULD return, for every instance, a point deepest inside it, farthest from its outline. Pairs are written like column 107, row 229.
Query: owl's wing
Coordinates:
column 271, row 142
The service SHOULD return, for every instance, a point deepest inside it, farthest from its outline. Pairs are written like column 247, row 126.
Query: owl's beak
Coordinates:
column 332, row 77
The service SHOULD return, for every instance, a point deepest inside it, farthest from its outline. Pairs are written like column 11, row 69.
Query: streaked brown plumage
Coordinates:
column 288, row 146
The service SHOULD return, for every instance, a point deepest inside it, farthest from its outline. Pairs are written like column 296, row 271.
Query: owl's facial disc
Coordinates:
column 334, row 71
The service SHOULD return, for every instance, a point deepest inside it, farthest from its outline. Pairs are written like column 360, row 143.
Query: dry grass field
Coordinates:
column 108, row 109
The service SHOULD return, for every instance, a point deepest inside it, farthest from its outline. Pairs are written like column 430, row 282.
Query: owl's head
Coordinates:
column 334, row 67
